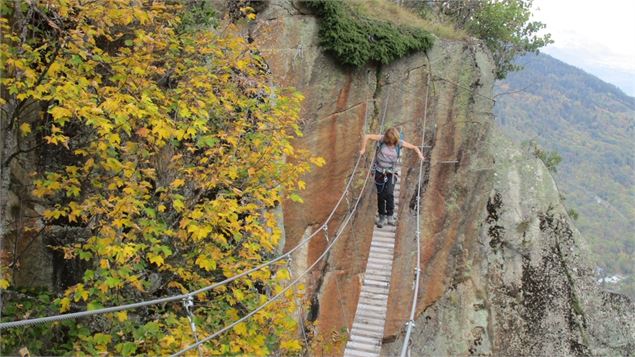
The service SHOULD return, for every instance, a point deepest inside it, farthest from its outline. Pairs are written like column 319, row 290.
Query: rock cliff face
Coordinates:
column 504, row 271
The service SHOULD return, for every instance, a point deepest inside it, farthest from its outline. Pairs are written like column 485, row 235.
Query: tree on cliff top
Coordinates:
column 164, row 152
column 504, row 25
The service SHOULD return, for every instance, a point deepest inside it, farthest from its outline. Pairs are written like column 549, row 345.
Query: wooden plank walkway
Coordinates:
column 368, row 326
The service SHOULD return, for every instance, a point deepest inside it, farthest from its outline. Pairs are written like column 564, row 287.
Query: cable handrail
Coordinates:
column 75, row 315
column 415, row 295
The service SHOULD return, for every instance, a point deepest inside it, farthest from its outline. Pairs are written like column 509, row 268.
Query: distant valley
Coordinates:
column 591, row 125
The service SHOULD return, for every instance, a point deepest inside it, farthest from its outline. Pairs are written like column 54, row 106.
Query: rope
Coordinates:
column 276, row 297
column 410, row 324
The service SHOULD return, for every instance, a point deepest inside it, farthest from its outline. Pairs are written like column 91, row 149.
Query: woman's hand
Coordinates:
column 365, row 139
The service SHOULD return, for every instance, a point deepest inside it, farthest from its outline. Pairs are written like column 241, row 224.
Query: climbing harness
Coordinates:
column 381, row 178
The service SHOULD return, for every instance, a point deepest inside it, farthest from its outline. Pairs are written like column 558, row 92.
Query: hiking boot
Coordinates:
column 381, row 221
column 391, row 220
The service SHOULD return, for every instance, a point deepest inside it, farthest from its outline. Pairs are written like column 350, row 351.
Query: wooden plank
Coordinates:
column 363, row 346
column 381, row 244
column 371, row 313
column 385, row 230
column 376, row 333
column 373, row 289
column 365, row 339
column 376, row 277
column 384, row 235
column 367, row 333
column 369, row 325
column 384, row 240
column 349, row 352
column 374, row 296
column 372, row 282
column 385, row 266
column 387, row 258
column 372, row 301
column 373, row 250
column 373, row 307
column 381, row 250
column 371, row 320
column 380, row 261
column 386, row 249
column 379, row 270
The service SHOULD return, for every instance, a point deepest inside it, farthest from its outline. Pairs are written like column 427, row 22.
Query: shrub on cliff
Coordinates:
column 504, row 26
column 357, row 40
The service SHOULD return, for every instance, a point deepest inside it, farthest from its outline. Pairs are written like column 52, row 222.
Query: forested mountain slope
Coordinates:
column 591, row 124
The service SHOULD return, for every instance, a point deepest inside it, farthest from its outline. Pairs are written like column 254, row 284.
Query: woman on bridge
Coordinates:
column 385, row 170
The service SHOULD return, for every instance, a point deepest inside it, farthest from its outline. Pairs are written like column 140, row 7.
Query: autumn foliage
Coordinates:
column 170, row 150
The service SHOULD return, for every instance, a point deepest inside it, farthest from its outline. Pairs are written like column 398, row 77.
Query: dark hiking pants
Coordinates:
column 385, row 198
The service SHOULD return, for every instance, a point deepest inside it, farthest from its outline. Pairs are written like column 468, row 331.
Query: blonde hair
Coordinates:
column 391, row 137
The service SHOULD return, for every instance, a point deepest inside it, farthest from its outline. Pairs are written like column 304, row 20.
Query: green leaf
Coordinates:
column 207, row 140
column 296, row 198
column 112, row 282
column 76, row 60
column 94, row 305
column 126, row 348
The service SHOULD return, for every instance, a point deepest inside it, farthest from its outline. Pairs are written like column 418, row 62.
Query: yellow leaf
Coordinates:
column 196, row 214
column 168, row 340
column 156, row 259
column 25, row 129
column 4, row 283
column 241, row 329
column 251, row 16
column 282, row 274
column 177, row 183
column 66, row 304
column 178, row 204
column 318, row 161
column 59, row 113
column 238, row 294
column 205, row 262
column 177, row 285
column 161, row 208
column 122, row 315
column 293, row 345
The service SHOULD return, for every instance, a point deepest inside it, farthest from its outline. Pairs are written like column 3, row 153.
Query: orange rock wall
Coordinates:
column 341, row 105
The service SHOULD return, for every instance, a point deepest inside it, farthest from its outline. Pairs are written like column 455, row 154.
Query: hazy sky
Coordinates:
column 597, row 36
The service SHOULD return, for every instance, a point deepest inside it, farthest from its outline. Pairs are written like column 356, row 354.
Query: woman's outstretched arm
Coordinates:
column 410, row 146
column 365, row 140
